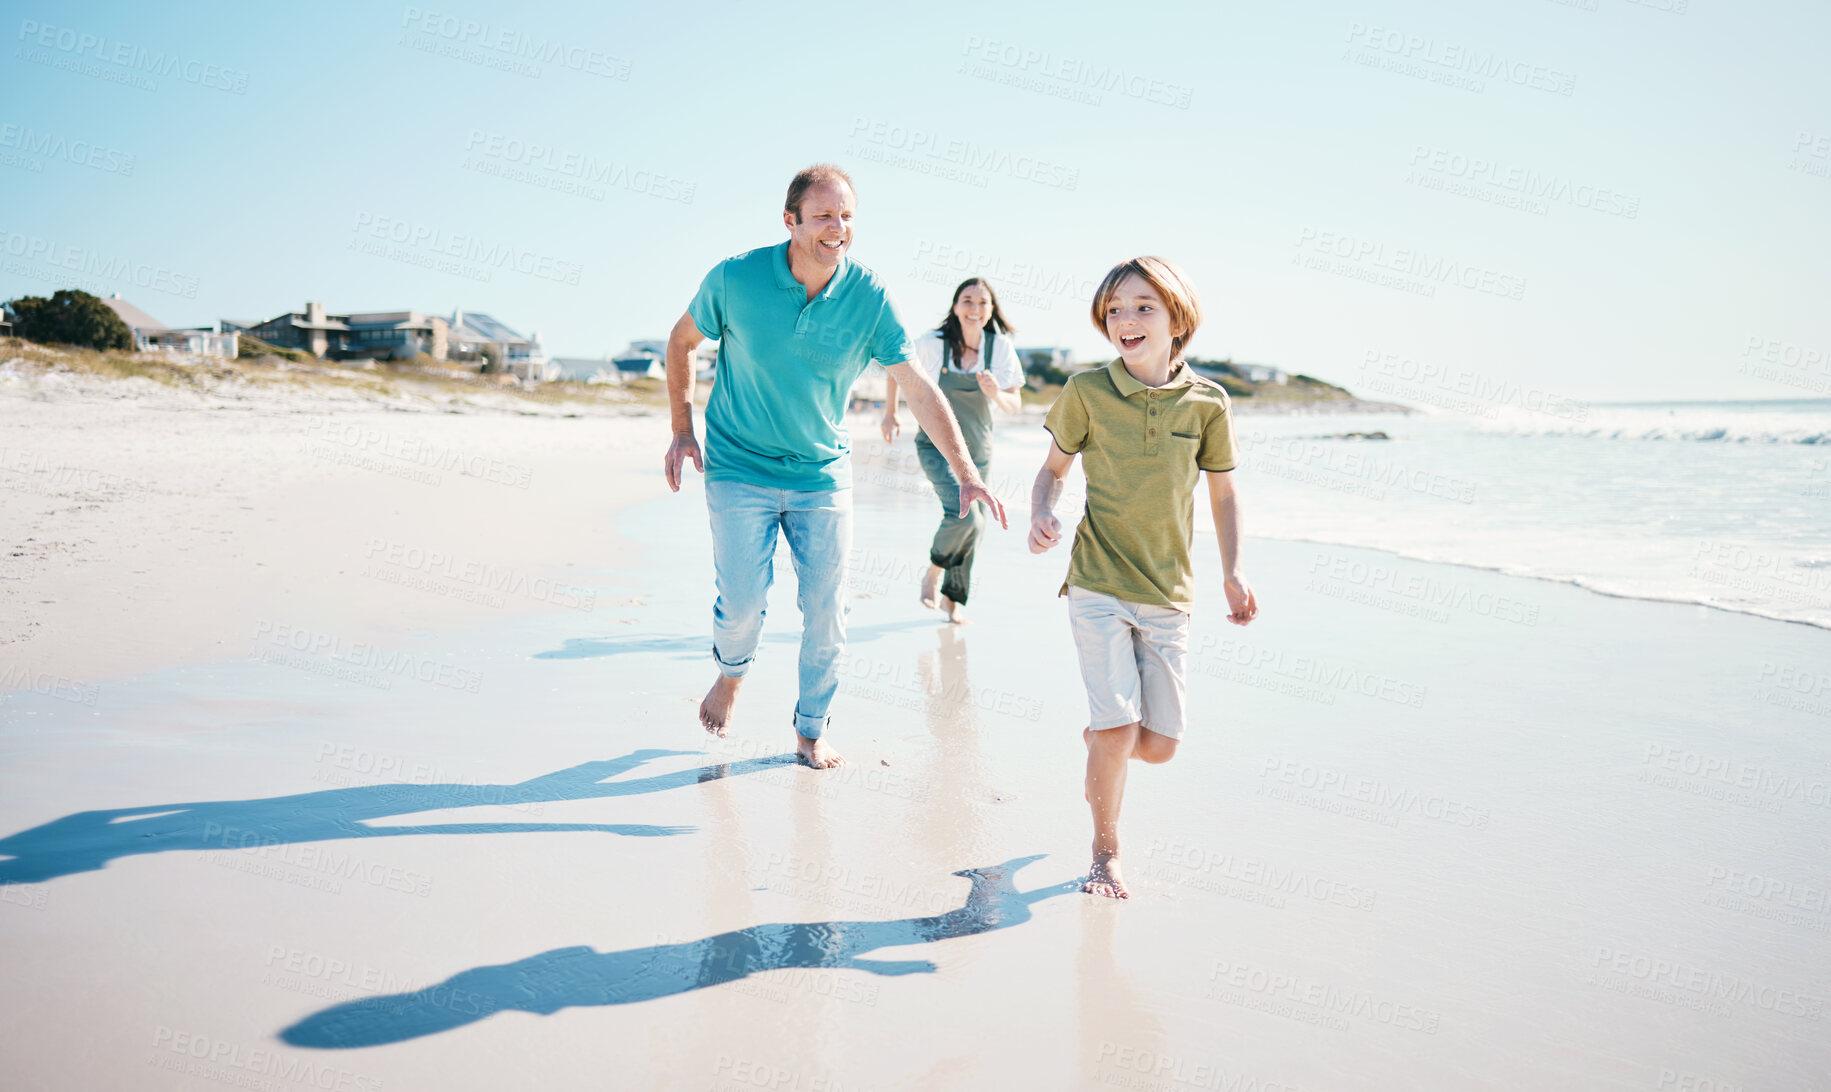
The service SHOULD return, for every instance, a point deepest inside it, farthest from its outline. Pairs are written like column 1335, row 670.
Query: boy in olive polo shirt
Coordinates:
column 1147, row 428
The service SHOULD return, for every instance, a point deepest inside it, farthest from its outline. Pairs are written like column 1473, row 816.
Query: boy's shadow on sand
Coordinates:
column 568, row 977
column 87, row 840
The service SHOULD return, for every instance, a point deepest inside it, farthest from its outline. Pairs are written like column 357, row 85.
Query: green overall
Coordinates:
column 957, row 537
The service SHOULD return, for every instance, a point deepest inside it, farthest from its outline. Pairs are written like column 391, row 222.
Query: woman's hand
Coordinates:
column 890, row 426
column 987, row 385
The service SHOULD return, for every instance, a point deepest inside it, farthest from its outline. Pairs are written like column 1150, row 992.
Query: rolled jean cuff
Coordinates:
column 731, row 671
column 810, row 727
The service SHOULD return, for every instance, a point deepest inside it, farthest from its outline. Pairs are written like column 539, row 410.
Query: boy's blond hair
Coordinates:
column 1171, row 286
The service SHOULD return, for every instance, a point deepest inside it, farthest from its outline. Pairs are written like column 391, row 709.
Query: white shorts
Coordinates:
column 1132, row 657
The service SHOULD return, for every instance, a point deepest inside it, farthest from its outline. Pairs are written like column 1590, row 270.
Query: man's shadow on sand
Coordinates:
column 569, row 977
column 87, row 840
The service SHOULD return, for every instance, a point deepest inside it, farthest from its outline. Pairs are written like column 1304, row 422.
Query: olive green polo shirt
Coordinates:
column 1143, row 450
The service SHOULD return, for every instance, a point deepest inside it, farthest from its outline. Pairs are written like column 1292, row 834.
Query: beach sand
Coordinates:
column 289, row 804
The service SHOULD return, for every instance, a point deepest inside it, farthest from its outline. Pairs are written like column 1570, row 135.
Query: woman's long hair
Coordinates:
column 955, row 340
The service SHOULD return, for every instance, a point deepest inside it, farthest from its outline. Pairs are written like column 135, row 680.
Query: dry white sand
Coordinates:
column 307, row 815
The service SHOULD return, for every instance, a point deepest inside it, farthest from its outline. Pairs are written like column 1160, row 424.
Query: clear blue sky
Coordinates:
column 1278, row 137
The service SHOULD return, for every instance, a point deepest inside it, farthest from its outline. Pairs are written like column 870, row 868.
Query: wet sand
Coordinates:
column 1521, row 836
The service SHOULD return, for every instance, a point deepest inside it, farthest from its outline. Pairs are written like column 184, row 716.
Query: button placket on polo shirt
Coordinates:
column 1150, row 423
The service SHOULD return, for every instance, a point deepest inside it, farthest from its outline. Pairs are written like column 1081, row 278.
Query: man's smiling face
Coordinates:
column 823, row 232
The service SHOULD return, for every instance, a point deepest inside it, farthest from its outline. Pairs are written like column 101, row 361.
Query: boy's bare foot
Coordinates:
column 715, row 711
column 954, row 613
column 931, row 587
column 1104, row 879
column 816, row 753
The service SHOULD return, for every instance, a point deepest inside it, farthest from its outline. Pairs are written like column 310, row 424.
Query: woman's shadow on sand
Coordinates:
column 570, row 977
column 87, row 840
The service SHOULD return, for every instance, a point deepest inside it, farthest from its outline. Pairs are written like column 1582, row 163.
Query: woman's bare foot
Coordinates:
column 954, row 613
column 1104, row 879
column 715, row 711
column 931, row 586
column 816, row 753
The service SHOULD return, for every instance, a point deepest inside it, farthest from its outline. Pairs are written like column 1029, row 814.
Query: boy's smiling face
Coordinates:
column 1138, row 323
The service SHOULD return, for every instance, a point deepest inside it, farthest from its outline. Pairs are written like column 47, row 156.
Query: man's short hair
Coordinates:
column 1171, row 285
column 810, row 177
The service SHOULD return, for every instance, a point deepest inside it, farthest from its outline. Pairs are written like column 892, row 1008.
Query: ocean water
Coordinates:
column 1726, row 504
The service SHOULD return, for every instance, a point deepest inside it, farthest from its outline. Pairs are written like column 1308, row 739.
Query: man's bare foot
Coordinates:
column 931, row 587
column 1104, row 879
column 715, row 711
column 954, row 613
column 816, row 753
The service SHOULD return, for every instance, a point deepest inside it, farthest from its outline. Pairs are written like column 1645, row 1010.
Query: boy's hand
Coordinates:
column 891, row 426
column 1045, row 531
column 1240, row 601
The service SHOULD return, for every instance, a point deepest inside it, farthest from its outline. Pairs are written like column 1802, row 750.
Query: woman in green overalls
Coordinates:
column 970, row 357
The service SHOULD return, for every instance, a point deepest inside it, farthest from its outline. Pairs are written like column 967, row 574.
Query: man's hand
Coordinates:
column 1045, row 532
column 1240, row 601
column 683, row 445
column 976, row 491
column 891, row 426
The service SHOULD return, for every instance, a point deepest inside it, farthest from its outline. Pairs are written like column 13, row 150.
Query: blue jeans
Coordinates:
column 818, row 525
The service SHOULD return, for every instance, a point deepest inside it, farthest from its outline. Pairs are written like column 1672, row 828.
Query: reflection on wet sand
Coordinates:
column 1116, row 1027
column 948, row 818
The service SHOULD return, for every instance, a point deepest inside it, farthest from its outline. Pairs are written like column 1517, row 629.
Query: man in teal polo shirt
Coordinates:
column 796, row 324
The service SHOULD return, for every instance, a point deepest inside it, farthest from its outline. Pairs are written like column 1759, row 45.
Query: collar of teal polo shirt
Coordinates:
column 785, row 277
column 1129, row 385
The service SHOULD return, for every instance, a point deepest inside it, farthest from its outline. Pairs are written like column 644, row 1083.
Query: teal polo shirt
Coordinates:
column 786, row 365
